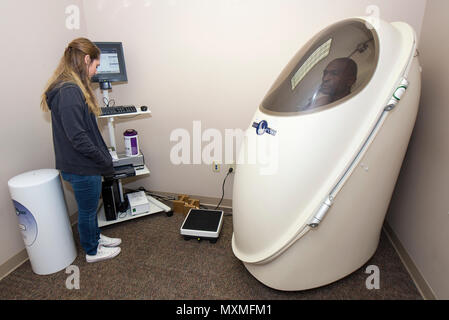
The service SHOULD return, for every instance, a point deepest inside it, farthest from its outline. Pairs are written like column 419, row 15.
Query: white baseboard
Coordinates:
column 13, row 263
column 226, row 204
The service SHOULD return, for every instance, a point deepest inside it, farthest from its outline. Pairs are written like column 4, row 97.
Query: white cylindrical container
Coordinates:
column 131, row 142
column 41, row 210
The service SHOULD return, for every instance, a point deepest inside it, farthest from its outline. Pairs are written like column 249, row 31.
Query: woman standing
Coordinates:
column 80, row 151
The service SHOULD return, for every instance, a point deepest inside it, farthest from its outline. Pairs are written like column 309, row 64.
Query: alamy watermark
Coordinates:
column 373, row 17
column 73, row 280
column 373, row 281
column 72, row 21
column 237, row 147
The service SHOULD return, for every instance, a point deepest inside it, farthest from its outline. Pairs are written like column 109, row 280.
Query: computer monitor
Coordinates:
column 112, row 64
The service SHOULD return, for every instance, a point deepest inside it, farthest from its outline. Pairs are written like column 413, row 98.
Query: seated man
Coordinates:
column 338, row 78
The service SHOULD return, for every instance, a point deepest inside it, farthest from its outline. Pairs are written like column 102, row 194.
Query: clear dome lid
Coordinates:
column 336, row 65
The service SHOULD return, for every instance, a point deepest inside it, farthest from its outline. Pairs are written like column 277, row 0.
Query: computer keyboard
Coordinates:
column 110, row 111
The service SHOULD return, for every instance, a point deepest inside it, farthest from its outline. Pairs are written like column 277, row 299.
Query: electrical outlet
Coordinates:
column 232, row 165
column 216, row 166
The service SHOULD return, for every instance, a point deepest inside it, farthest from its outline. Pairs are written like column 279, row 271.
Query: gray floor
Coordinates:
column 157, row 263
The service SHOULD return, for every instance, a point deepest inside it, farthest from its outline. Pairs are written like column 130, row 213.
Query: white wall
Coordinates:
column 208, row 60
column 211, row 61
column 419, row 208
column 34, row 36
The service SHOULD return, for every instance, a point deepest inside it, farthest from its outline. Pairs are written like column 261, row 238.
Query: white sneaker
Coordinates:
column 103, row 253
column 109, row 242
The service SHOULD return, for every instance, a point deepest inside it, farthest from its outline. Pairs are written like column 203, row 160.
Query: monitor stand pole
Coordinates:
column 105, row 90
column 105, row 86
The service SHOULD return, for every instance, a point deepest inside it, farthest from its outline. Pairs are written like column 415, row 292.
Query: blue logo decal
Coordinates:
column 262, row 128
column 27, row 224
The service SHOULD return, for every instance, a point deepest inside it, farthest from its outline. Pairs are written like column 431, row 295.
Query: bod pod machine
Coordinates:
column 319, row 162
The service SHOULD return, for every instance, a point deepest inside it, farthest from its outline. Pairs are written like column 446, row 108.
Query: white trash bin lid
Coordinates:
column 33, row 178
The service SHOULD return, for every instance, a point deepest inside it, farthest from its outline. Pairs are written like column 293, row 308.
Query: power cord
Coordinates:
column 231, row 170
column 111, row 103
column 108, row 103
column 168, row 198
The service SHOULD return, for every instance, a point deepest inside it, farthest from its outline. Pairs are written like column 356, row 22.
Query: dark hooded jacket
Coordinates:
column 78, row 144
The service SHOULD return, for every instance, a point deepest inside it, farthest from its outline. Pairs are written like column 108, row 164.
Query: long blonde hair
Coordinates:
column 72, row 69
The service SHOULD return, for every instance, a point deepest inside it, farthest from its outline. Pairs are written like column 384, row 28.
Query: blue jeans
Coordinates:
column 87, row 194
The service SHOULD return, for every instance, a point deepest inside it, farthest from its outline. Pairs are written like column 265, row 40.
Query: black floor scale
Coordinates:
column 202, row 224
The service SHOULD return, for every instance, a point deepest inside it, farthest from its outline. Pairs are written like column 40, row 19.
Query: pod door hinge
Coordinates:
column 321, row 213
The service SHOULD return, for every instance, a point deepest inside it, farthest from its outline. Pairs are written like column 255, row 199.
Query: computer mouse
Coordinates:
column 143, row 108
